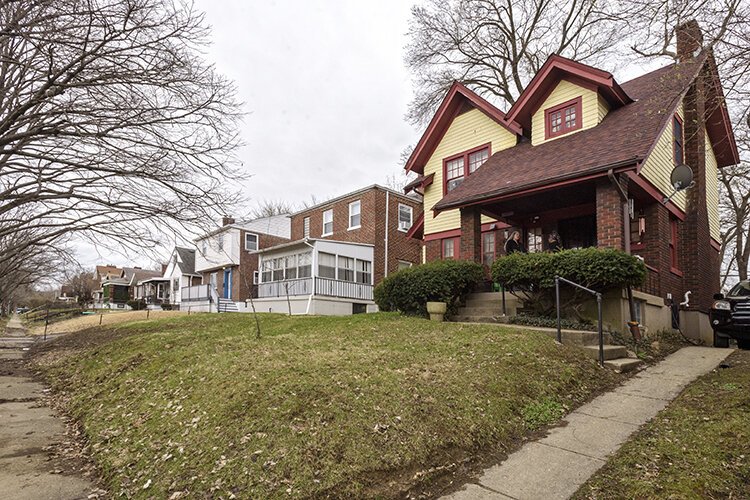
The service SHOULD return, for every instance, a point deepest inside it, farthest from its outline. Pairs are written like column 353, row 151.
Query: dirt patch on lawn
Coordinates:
column 103, row 319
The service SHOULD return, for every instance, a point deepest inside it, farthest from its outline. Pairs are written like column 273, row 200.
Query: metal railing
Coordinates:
column 345, row 289
column 598, row 296
column 195, row 293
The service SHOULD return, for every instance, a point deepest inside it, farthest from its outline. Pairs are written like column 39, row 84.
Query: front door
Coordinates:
column 228, row 283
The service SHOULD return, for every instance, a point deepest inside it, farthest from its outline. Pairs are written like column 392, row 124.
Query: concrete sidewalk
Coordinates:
column 27, row 429
column 557, row 465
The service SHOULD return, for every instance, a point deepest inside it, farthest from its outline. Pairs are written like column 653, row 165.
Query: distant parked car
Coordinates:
column 21, row 310
column 730, row 316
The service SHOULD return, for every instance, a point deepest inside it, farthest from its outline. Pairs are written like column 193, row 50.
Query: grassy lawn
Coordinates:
column 699, row 447
column 361, row 406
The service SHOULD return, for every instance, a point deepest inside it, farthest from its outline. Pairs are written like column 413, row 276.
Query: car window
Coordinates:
column 741, row 289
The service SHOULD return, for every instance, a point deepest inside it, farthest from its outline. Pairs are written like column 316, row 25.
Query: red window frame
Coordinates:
column 576, row 104
column 678, row 141
column 454, row 246
column 465, row 156
column 674, row 264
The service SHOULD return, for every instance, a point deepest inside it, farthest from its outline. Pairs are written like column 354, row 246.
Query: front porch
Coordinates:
column 316, row 277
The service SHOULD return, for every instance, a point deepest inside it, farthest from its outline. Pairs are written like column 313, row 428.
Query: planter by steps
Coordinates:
column 437, row 310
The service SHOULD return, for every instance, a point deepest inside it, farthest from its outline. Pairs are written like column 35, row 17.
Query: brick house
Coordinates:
column 580, row 154
column 227, row 259
column 332, row 220
column 340, row 250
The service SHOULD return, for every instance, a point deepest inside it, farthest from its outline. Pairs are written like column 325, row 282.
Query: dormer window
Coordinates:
column 456, row 168
column 563, row 118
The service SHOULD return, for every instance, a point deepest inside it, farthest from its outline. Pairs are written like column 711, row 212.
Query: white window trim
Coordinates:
column 398, row 217
column 359, row 203
column 257, row 242
column 324, row 222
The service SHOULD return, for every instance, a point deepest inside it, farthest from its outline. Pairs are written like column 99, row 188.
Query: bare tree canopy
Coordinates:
column 496, row 46
column 269, row 208
column 111, row 123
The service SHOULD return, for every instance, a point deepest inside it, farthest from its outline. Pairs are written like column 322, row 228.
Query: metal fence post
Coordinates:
column 503, row 289
column 601, row 333
column 557, row 305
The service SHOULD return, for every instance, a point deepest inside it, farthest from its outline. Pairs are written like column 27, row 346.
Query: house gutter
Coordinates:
column 312, row 275
column 632, row 324
column 387, row 211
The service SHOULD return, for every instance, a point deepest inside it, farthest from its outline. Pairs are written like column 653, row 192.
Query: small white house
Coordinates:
column 180, row 273
column 314, row 276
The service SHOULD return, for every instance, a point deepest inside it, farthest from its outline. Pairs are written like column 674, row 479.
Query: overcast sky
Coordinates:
column 325, row 91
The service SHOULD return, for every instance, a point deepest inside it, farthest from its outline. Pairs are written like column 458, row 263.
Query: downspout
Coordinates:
column 312, row 275
column 387, row 211
column 633, row 324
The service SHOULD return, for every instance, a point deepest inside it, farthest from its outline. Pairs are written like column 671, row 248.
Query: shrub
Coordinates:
column 594, row 268
column 137, row 305
column 547, row 322
column 410, row 289
column 598, row 269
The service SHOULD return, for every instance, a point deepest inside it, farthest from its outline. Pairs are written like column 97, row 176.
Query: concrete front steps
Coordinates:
column 227, row 305
column 487, row 307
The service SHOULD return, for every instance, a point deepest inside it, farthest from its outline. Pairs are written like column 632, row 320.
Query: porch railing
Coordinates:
column 195, row 293
column 318, row 286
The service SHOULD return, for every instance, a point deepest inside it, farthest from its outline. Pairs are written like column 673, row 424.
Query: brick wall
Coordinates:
column 609, row 221
column 434, row 250
column 372, row 230
column 657, row 254
column 471, row 235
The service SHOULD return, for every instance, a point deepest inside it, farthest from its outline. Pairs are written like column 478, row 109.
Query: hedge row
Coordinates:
column 599, row 269
column 410, row 289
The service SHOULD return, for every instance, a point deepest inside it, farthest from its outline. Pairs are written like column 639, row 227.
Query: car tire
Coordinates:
column 720, row 340
column 743, row 344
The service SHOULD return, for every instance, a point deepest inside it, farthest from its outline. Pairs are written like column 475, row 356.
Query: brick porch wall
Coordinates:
column 471, row 235
column 609, row 221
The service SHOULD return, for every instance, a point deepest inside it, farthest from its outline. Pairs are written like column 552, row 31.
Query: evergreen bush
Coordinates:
column 410, row 289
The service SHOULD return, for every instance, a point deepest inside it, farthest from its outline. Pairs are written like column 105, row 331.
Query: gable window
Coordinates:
column 220, row 242
column 450, row 248
column 678, row 139
column 355, row 214
column 563, row 118
column 405, row 216
column 456, row 168
column 251, row 242
column 327, row 223
column 306, row 227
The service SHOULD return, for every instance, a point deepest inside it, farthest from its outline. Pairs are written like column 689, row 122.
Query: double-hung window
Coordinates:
column 251, row 242
column 449, row 248
column 327, row 265
column 305, row 265
column 364, row 273
column 328, row 222
column 355, row 217
column 290, row 263
column 564, row 118
column 488, row 248
column 456, row 169
column 673, row 248
column 346, row 268
column 306, row 227
column 405, row 215
column 278, row 269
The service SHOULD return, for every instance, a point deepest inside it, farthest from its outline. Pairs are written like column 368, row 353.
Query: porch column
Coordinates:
column 471, row 234
column 609, row 216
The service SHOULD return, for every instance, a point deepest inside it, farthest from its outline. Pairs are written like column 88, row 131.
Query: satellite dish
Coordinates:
column 681, row 177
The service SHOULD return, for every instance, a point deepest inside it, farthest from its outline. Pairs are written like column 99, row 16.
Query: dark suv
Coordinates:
column 730, row 316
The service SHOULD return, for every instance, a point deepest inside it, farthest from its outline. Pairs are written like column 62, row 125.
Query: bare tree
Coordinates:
column 496, row 46
column 269, row 208
column 82, row 284
column 111, row 124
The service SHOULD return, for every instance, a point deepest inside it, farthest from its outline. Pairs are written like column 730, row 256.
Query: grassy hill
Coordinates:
column 361, row 406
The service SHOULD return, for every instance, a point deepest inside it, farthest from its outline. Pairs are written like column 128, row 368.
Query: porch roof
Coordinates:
column 621, row 141
column 311, row 241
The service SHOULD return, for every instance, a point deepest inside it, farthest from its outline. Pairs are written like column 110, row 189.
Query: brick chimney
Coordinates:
column 689, row 40
column 226, row 220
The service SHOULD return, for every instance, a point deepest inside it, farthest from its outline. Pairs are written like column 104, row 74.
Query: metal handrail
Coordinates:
column 598, row 296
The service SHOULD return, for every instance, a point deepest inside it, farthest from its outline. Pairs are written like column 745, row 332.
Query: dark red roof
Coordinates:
column 624, row 138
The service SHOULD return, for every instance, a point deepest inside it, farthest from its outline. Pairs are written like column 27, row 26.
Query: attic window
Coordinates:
column 456, row 168
column 563, row 118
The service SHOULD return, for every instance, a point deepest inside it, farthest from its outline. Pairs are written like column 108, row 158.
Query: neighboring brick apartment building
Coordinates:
column 582, row 155
column 361, row 217
column 226, row 257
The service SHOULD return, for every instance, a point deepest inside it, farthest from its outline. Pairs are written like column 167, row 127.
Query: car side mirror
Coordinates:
column 718, row 296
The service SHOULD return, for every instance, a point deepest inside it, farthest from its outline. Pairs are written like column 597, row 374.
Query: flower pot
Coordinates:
column 437, row 310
